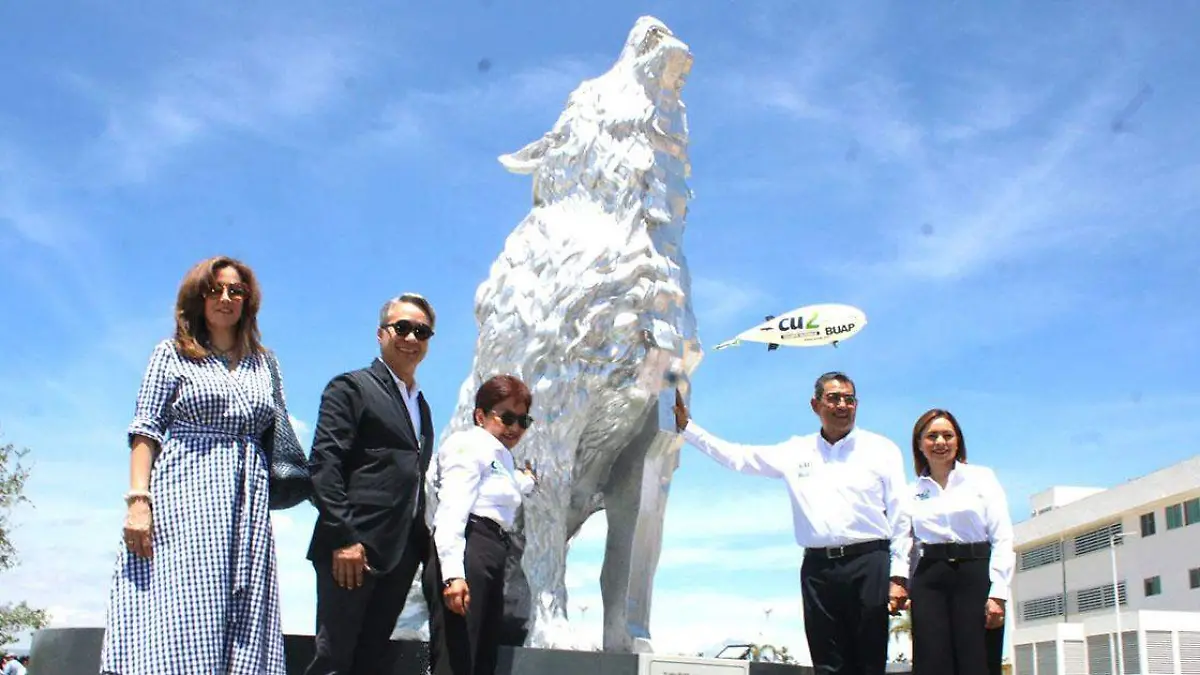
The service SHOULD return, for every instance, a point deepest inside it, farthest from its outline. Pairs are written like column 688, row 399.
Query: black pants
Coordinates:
column 354, row 626
column 995, row 649
column 468, row 645
column 948, row 603
column 846, row 613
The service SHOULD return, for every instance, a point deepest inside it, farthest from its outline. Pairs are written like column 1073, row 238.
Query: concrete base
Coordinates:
column 76, row 651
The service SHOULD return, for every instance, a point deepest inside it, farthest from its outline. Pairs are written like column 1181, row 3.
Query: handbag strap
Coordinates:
column 276, row 385
column 283, row 422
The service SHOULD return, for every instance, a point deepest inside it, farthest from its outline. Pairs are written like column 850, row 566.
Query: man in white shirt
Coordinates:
column 847, row 487
column 10, row 665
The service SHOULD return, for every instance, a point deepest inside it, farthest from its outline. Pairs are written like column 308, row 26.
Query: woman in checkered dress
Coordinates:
column 195, row 588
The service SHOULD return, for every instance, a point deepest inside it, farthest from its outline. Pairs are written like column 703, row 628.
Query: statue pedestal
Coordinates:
column 661, row 664
column 76, row 651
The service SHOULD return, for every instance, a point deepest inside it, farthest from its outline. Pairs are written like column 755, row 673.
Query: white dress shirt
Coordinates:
column 848, row 492
column 972, row 508
column 472, row 473
column 411, row 400
column 413, row 406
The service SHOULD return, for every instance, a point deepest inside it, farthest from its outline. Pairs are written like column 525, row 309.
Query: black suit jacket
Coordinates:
column 368, row 468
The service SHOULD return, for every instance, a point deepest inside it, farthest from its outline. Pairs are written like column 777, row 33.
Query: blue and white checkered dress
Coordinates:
column 208, row 600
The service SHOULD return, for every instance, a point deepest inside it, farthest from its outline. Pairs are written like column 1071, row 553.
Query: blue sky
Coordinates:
column 1010, row 193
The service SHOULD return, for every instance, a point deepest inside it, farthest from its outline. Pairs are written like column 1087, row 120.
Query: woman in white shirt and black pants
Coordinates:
column 477, row 490
column 962, row 533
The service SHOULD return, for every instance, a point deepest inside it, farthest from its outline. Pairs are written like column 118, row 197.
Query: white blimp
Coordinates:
column 808, row 326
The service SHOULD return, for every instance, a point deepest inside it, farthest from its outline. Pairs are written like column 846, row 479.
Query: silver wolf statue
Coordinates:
column 589, row 304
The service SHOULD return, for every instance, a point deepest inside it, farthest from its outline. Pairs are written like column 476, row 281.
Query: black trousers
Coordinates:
column 948, row 603
column 468, row 645
column 846, row 613
column 354, row 626
column 995, row 649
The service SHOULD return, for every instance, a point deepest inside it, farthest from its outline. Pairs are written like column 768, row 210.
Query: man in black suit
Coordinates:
column 373, row 443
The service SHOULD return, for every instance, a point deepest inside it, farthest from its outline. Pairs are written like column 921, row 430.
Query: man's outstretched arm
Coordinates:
column 754, row 460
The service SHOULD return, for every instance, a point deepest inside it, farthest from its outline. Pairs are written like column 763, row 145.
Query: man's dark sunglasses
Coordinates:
column 832, row 398
column 510, row 418
column 403, row 327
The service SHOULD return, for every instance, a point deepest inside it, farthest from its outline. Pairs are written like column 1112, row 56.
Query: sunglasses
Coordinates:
column 403, row 327
column 510, row 418
column 236, row 291
column 833, row 398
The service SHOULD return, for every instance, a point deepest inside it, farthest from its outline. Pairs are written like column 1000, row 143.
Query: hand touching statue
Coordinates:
column 528, row 470
column 681, row 412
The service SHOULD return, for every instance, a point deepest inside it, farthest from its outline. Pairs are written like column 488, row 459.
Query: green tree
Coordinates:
column 14, row 619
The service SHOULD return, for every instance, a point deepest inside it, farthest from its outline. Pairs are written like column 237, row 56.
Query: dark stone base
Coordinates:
column 76, row 651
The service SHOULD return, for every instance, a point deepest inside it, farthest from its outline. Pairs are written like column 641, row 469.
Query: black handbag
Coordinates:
column 287, row 464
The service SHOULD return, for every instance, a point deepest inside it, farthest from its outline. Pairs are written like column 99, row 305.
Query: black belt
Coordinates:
column 977, row 550
column 849, row 550
column 491, row 525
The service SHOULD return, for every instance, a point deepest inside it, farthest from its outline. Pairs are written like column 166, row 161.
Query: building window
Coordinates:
column 1041, row 608
column 1074, row 657
column 1160, row 651
column 1098, row 597
column 1153, row 586
column 1098, row 539
column 1174, row 516
column 1191, row 511
column 1042, row 555
column 1148, row 524
column 1045, row 654
column 1129, row 652
column 1099, row 655
column 1194, row 577
column 1023, row 657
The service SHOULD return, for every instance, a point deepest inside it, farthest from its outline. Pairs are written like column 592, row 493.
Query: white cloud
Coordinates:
column 718, row 302
column 541, row 87
column 986, row 313
column 1003, row 157
column 71, row 571
column 690, row 622
column 35, row 396
column 706, row 533
column 297, row 580
column 69, row 547
column 303, row 430
column 24, row 207
column 743, row 506
column 733, row 559
column 468, row 115
column 258, row 87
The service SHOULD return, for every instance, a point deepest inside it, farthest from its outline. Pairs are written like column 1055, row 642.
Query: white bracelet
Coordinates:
column 138, row 494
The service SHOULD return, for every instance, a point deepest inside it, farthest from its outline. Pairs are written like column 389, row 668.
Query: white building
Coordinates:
column 1063, row 607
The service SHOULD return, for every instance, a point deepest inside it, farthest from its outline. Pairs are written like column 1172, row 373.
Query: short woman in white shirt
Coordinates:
column 962, row 533
column 477, row 490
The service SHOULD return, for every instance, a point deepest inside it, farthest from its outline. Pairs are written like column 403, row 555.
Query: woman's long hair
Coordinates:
column 920, row 464
column 192, row 338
